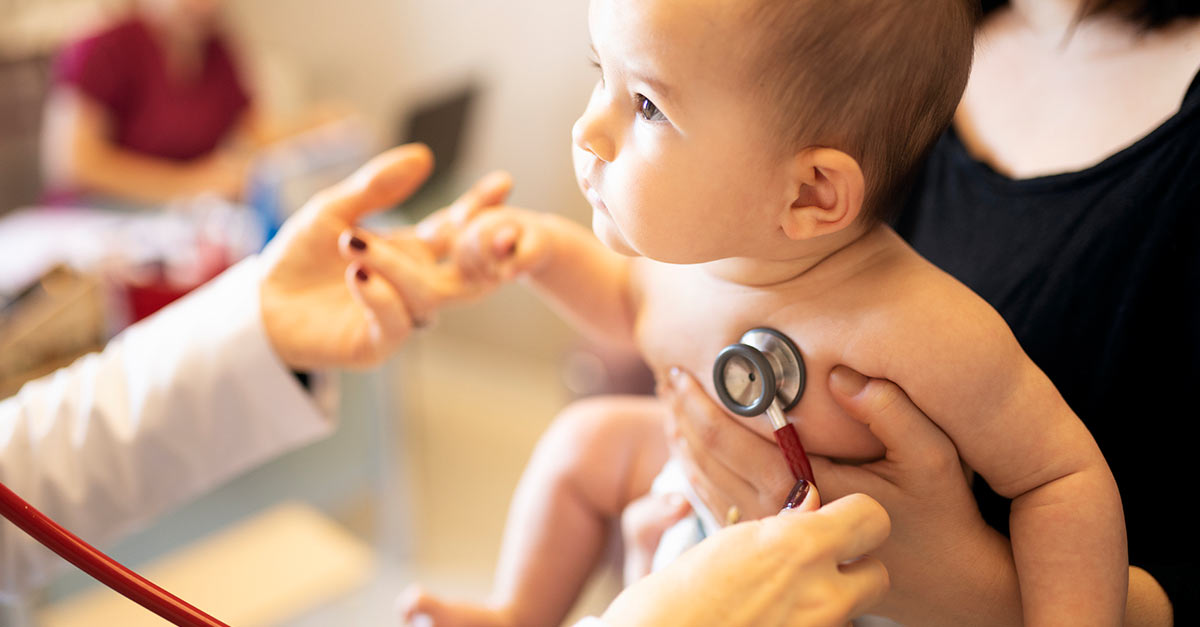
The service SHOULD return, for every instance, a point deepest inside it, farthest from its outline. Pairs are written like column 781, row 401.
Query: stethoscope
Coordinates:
column 764, row 374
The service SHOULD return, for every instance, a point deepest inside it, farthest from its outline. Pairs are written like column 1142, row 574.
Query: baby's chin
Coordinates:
column 607, row 232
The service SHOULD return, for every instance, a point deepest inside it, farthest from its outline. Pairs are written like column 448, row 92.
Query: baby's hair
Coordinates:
column 877, row 79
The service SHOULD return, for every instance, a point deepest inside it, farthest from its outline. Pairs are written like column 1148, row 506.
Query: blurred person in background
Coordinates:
column 153, row 107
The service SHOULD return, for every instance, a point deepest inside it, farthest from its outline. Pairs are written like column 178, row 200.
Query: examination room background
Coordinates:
column 431, row 446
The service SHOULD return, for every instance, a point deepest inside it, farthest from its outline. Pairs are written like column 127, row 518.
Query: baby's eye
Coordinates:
column 596, row 64
column 648, row 110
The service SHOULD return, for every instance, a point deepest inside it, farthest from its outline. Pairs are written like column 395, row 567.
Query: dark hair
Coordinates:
column 1148, row 13
column 877, row 79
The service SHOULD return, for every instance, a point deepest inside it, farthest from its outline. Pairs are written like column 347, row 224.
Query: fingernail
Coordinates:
column 846, row 381
column 797, row 495
column 675, row 500
column 361, row 275
column 357, row 244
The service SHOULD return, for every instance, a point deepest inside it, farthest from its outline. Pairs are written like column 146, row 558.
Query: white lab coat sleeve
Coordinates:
column 175, row 405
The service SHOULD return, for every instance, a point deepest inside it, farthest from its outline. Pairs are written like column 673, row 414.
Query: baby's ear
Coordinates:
column 829, row 190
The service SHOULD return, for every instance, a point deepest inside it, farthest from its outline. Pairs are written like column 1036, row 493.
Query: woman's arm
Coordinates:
column 79, row 152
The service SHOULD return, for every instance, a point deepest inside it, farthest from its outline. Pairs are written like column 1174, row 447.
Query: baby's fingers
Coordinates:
column 486, row 247
column 438, row 229
column 499, row 246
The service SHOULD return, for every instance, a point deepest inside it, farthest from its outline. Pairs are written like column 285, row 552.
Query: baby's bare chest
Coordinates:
column 685, row 319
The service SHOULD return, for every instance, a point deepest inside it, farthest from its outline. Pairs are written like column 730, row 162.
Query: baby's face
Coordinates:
column 674, row 154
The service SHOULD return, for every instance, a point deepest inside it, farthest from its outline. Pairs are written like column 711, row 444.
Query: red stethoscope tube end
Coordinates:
column 793, row 452
column 105, row 569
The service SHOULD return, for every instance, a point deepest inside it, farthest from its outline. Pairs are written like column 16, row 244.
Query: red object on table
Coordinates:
column 146, row 297
column 105, row 569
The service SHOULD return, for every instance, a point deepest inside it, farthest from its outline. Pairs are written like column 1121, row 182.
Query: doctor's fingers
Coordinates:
column 423, row 285
column 439, row 229
column 387, row 322
column 717, row 439
column 384, row 181
column 912, row 440
column 856, row 525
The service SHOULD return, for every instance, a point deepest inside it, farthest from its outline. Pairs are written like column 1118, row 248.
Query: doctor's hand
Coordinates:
column 947, row 566
column 426, row 250
column 321, row 312
column 802, row 567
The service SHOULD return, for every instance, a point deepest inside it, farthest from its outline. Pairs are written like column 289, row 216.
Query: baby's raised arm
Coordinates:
column 962, row 365
column 585, row 282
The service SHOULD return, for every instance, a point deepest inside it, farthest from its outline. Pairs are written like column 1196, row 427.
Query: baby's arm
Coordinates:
column 964, row 367
column 585, row 282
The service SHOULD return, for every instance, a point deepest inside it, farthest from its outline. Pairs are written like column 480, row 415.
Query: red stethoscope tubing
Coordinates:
column 105, row 569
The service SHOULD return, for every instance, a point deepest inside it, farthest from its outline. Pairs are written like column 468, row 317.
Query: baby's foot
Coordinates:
column 418, row 608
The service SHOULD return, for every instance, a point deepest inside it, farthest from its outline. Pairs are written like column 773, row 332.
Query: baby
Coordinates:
column 741, row 158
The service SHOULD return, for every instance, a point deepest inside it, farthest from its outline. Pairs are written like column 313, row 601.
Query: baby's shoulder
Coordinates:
column 911, row 308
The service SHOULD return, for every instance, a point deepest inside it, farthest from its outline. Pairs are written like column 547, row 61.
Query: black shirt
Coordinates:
column 1098, row 274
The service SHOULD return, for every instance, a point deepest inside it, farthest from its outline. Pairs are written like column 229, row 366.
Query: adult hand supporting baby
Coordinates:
column 947, row 566
column 803, row 568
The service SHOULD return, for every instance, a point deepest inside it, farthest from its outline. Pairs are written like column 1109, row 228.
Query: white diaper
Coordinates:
column 687, row 532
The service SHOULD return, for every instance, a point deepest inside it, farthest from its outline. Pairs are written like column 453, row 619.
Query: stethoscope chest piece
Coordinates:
column 763, row 367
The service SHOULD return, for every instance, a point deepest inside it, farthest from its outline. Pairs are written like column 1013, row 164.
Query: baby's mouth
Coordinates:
column 593, row 197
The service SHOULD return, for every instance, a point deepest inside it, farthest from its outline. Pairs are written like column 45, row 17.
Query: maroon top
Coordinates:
column 154, row 113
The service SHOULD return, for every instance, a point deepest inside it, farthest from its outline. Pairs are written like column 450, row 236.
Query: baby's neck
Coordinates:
column 807, row 256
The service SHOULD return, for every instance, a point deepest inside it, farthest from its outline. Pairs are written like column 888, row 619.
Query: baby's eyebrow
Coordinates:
column 660, row 88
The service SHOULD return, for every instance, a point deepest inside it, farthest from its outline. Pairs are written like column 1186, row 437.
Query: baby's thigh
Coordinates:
column 609, row 447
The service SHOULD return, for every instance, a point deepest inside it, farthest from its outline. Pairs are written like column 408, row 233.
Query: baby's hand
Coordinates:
column 498, row 245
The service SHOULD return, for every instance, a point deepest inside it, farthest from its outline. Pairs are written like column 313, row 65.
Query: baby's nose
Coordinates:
column 588, row 135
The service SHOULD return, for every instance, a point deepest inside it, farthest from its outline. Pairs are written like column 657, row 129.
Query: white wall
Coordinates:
column 384, row 55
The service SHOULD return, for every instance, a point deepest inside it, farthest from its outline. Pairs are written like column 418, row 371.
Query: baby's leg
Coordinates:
column 598, row 456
